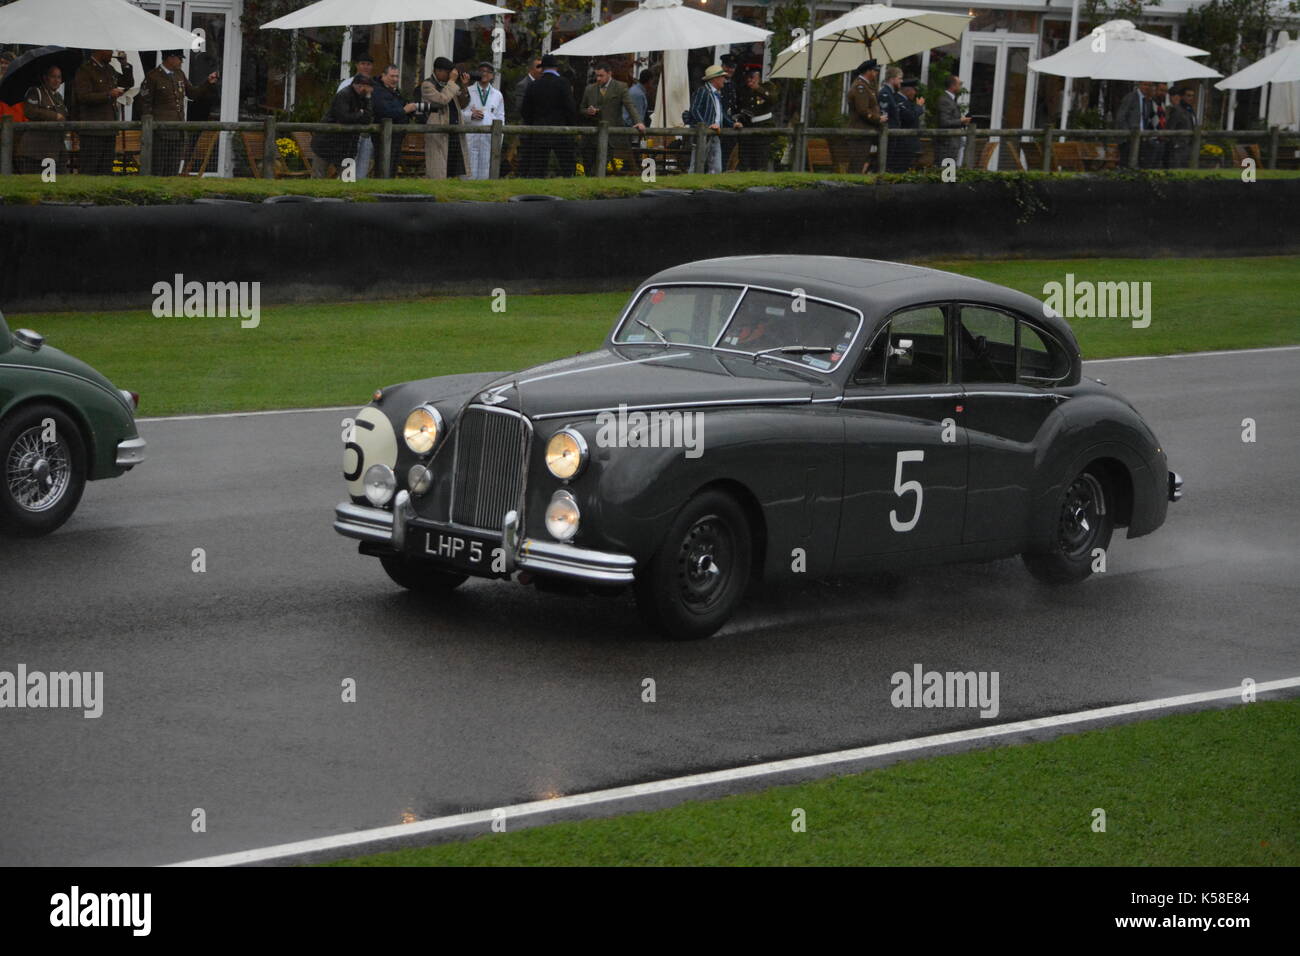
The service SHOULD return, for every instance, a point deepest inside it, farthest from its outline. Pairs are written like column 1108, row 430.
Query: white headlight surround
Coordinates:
column 563, row 516
column 380, row 484
column 566, row 454
column 422, row 429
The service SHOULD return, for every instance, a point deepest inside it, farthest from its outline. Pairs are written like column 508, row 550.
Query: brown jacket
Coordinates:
column 442, row 98
column 611, row 102
column 864, row 105
column 163, row 95
column 42, row 106
column 93, row 83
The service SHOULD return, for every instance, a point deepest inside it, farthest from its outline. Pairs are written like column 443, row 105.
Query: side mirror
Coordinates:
column 901, row 354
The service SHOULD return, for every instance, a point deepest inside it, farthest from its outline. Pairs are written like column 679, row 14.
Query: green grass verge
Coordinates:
column 153, row 190
column 337, row 354
column 1216, row 788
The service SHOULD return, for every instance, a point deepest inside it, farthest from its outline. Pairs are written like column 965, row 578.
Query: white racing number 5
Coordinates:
column 902, row 487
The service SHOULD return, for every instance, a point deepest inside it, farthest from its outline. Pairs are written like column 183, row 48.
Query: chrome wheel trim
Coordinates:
column 705, row 562
column 37, row 473
column 1081, row 513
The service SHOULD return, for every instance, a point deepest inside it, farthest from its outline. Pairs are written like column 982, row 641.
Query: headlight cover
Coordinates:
column 422, row 428
column 566, row 454
column 380, row 483
column 562, row 516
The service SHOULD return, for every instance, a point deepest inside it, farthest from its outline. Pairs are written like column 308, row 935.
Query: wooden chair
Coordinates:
column 254, row 150
column 819, row 155
column 1240, row 153
column 410, row 157
column 308, row 154
column 1032, row 155
column 128, row 148
column 200, row 157
column 1067, row 157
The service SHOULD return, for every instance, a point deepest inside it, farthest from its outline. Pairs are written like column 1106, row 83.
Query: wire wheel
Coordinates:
column 37, row 472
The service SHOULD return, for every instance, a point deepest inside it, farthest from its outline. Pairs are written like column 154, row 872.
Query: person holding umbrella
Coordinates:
column 98, row 87
column 43, row 103
column 162, row 96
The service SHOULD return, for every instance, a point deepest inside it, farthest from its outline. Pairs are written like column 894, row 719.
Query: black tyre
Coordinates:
column 697, row 577
column 1082, row 522
column 420, row 576
column 42, row 470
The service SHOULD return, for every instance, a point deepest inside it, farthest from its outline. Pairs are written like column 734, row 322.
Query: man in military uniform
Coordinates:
column 43, row 103
column 162, row 96
column 864, row 112
column 98, row 87
column 755, row 105
column 441, row 92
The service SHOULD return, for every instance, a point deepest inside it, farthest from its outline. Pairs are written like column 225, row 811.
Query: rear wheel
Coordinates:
column 42, row 470
column 420, row 576
column 696, row 579
column 1083, row 522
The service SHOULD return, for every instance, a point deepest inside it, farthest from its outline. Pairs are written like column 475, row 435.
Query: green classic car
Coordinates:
column 61, row 424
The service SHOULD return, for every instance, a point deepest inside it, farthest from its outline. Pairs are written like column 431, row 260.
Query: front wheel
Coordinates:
column 1083, row 522
column 420, row 576
column 696, row 579
column 42, row 470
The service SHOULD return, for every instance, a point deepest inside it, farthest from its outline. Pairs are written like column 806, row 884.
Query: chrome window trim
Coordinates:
column 744, row 289
column 711, row 403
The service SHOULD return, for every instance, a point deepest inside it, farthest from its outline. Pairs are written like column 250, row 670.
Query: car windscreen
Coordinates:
column 683, row 315
column 775, row 320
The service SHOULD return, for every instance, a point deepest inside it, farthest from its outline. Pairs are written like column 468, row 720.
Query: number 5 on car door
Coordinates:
column 902, row 488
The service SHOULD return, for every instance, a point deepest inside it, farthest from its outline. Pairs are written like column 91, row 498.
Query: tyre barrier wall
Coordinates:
column 81, row 257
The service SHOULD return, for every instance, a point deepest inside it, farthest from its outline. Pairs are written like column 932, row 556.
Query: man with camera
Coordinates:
column 442, row 92
column 98, row 88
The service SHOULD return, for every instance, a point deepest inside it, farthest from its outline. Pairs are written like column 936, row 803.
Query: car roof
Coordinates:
column 874, row 286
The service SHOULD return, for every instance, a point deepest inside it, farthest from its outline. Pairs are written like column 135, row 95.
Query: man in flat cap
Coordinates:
column 365, row 148
column 162, row 96
column 441, row 91
column 352, row 106
column 864, row 112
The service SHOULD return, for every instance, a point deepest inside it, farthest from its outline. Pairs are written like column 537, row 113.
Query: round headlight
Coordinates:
column 566, row 453
column 422, row 428
column 562, row 516
column 380, row 483
column 418, row 479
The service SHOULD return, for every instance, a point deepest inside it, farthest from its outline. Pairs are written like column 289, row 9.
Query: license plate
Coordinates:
column 481, row 556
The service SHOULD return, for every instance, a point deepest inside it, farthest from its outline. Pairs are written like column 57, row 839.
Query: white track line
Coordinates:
column 351, row 408
column 818, row 761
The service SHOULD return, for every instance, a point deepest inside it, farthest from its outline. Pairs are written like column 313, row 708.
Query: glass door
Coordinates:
column 995, row 67
column 214, row 23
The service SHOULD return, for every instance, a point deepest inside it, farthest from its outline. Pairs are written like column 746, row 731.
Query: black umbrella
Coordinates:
column 27, row 71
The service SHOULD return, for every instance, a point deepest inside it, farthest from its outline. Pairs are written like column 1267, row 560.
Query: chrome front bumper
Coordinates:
column 1175, row 486
column 130, row 452
column 375, row 525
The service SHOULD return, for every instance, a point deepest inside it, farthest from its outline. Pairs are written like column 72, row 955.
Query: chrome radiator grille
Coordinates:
column 491, row 457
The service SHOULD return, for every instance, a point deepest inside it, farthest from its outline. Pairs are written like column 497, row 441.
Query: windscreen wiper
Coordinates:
column 646, row 325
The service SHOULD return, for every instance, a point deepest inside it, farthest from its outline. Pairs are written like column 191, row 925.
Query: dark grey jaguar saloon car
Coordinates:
column 766, row 417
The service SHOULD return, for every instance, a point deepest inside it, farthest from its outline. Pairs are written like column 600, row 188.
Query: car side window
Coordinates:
column 987, row 345
column 911, row 350
column 1042, row 360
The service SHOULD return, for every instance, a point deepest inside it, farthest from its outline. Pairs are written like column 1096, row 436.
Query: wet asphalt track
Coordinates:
column 223, row 688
